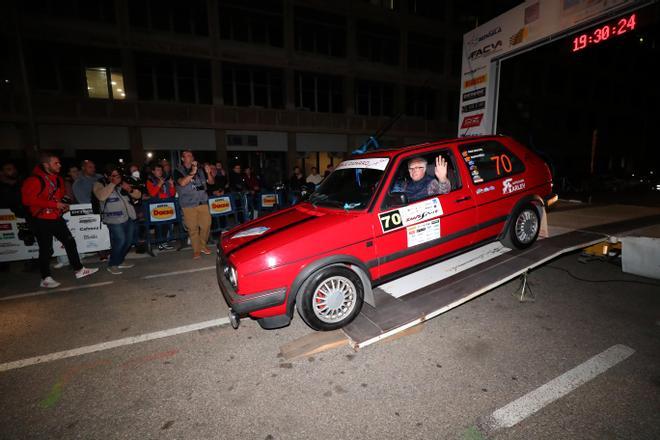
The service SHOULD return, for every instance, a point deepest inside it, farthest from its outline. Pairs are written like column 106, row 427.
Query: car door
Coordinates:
column 497, row 176
column 425, row 229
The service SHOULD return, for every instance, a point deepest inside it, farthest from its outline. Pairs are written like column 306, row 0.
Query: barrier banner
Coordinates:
column 17, row 241
column 269, row 200
column 220, row 205
column 162, row 212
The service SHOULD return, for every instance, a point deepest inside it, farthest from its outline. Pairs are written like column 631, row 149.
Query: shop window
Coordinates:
column 319, row 93
column 374, row 98
column 392, row 5
column 320, row 32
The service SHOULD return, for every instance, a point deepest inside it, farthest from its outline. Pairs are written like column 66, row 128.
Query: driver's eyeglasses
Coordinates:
column 416, row 168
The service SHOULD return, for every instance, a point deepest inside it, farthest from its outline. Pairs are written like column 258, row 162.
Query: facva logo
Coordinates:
column 488, row 49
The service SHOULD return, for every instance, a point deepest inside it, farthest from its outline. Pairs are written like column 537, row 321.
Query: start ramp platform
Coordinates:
column 410, row 300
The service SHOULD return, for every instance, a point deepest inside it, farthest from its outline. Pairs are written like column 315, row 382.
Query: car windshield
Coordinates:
column 352, row 185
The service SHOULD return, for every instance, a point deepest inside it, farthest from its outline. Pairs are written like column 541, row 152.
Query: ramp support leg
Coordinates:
column 525, row 286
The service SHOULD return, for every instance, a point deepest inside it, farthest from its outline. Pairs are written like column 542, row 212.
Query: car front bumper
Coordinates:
column 244, row 304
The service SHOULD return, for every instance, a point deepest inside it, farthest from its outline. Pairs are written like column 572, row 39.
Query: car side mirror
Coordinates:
column 397, row 199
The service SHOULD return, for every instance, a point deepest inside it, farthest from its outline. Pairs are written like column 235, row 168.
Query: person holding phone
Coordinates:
column 43, row 193
column 191, row 185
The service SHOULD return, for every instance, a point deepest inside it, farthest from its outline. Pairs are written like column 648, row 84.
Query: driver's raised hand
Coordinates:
column 441, row 169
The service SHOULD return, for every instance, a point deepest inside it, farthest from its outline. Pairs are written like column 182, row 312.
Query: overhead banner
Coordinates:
column 518, row 28
column 18, row 242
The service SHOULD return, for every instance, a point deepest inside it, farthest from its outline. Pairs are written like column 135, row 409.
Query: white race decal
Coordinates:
column 375, row 163
column 408, row 215
column 423, row 232
column 509, row 185
column 250, row 232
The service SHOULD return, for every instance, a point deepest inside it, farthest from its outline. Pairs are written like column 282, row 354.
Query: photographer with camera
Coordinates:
column 43, row 193
column 191, row 184
column 117, row 212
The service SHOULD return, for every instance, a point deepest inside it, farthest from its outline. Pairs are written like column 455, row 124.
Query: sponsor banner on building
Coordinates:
column 18, row 242
column 220, row 205
column 529, row 23
column 162, row 212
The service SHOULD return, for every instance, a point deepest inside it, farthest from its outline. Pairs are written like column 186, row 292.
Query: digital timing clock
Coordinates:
column 604, row 32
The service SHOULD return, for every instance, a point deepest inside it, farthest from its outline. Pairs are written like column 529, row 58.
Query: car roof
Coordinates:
column 392, row 152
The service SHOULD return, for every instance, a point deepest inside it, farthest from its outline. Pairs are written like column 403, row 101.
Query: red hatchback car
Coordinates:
column 379, row 216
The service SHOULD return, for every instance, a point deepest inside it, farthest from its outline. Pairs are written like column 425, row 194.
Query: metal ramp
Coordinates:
column 398, row 310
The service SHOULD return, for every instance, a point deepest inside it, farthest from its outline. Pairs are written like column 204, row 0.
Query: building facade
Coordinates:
column 265, row 83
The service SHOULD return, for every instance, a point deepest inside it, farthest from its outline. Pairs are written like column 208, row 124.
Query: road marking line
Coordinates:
column 61, row 289
column 112, row 344
column 178, row 272
column 532, row 402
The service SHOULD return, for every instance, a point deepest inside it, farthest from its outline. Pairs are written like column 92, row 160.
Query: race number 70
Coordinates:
column 390, row 220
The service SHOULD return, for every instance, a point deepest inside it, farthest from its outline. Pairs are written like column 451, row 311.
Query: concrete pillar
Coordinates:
column 137, row 149
column 290, row 89
column 216, row 82
column 221, row 147
column 349, row 95
column 128, row 72
column 290, row 153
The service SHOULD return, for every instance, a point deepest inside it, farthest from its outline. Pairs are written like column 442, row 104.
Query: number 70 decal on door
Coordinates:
column 409, row 215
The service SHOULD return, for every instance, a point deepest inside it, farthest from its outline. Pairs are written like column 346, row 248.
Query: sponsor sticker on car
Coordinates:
column 423, row 232
column 409, row 215
column 375, row 163
column 509, row 185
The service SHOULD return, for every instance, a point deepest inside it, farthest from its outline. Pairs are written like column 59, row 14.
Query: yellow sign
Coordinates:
column 219, row 205
column 268, row 200
column 161, row 212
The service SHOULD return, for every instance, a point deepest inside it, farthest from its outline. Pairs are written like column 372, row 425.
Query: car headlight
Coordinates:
column 232, row 276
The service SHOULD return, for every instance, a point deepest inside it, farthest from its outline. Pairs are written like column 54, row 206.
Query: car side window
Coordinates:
column 416, row 177
column 489, row 160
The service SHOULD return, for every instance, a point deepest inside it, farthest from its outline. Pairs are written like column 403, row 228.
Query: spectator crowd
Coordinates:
column 117, row 195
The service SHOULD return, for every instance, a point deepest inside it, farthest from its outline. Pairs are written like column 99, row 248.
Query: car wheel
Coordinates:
column 524, row 228
column 331, row 298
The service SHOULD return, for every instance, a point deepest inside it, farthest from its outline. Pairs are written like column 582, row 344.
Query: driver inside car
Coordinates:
column 422, row 185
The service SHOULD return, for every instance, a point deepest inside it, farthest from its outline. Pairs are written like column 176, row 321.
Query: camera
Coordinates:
column 25, row 234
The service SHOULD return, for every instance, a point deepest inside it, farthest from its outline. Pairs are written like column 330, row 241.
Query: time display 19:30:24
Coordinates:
column 605, row 32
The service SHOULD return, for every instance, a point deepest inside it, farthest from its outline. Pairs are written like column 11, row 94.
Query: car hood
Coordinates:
column 291, row 234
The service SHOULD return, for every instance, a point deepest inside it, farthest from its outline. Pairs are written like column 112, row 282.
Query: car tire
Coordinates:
column 524, row 228
column 331, row 298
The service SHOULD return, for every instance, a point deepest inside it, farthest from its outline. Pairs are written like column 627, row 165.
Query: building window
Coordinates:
column 377, row 43
column 92, row 10
column 319, row 93
column 242, row 140
column 161, row 78
column 252, row 86
column 106, row 83
column 426, row 52
column 190, row 17
column 420, row 102
column 320, row 32
column 256, row 21
column 427, row 8
column 374, row 98
column 392, row 5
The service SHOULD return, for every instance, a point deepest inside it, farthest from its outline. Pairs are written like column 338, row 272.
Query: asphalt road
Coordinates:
column 440, row 383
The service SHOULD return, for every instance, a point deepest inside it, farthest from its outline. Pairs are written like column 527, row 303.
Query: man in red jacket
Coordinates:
column 42, row 194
